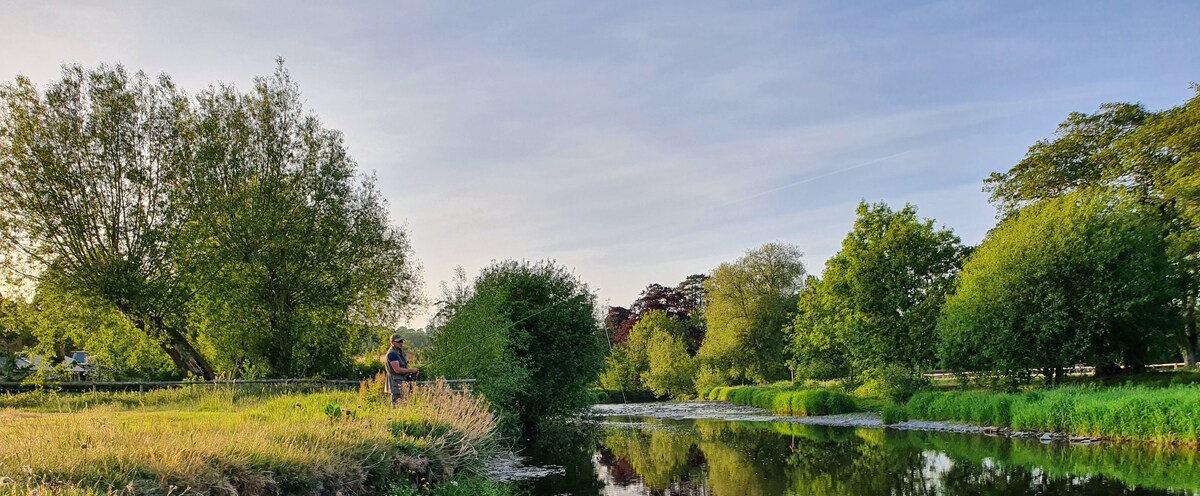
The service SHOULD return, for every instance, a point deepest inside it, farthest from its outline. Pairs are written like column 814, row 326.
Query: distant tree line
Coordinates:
column 1093, row 262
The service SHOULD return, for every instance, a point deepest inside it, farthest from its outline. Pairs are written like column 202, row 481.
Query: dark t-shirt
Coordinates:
column 394, row 355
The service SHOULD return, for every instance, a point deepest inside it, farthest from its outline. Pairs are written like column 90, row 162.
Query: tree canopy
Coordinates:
column 880, row 296
column 537, row 324
column 1148, row 157
column 232, row 229
column 748, row 303
column 1083, row 278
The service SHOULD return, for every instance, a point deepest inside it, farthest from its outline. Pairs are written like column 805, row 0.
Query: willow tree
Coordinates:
column 87, row 169
column 233, row 230
column 287, row 248
column 747, row 308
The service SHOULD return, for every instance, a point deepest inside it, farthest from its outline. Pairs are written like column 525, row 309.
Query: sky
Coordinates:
column 641, row 142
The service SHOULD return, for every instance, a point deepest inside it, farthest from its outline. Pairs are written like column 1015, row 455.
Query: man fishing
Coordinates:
column 397, row 368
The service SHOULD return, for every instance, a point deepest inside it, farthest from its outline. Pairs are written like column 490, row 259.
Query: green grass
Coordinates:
column 786, row 400
column 206, row 440
column 1168, row 415
column 892, row 414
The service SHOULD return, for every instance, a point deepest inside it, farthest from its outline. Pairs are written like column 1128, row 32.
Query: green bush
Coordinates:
column 894, row 413
column 787, row 401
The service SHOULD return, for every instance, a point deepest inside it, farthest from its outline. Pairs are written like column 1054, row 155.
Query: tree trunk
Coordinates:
column 185, row 357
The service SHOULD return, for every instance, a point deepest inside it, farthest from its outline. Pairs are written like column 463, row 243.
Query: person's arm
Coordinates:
column 396, row 368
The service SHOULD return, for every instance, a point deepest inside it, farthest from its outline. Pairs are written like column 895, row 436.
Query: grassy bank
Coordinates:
column 787, row 400
column 1163, row 415
column 206, row 440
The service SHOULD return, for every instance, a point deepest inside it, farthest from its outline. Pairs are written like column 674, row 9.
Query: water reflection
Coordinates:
column 719, row 458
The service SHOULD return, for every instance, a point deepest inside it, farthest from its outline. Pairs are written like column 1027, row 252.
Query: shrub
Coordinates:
column 784, row 401
column 894, row 413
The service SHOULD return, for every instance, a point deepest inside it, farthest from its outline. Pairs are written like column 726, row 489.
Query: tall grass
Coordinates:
column 787, row 401
column 229, row 441
column 1164, row 415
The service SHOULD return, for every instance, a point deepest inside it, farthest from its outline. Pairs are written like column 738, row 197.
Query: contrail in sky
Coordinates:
column 821, row 176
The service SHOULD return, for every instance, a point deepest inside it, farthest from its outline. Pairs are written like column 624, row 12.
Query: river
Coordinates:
column 720, row 450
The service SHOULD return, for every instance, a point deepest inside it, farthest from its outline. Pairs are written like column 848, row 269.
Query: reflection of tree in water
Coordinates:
column 722, row 458
column 659, row 455
column 568, row 446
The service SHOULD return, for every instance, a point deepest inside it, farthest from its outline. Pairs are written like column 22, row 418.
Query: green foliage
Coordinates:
column 654, row 358
column 476, row 344
column 748, row 303
column 1079, row 279
column 232, row 230
column 1148, row 158
column 60, row 320
column 787, row 401
column 877, row 305
column 1164, row 415
column 551, row 341
column 87, row 171
column 670, row 370
column 623, row 368
column 891, row 382
column 288, row 250
column 894, row 414
column 980, row 407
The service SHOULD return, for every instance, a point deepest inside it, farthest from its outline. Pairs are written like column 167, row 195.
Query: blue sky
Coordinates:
column 637, row 142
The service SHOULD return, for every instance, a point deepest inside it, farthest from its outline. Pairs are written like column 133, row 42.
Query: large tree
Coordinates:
column 286, row 243
column 880, row 296
column 87, row 169
column 1083, row 278
column 748, row 304
column 232, row 227
column 684, row 303
column 545, row 319
column 1145, row 156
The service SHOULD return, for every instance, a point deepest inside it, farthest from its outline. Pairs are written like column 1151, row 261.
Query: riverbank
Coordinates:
column 1162, row 415
column 1169, row 415
column 247, row 442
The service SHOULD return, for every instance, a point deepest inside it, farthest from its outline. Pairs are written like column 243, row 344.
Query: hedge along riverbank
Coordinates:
column 782, row 401
column 1163, row 415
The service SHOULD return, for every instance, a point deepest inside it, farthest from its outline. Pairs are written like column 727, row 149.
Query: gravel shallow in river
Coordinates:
column 726, row 411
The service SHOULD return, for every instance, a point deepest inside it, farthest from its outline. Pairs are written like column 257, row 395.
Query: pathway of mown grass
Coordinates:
column 1163, row 415
column 228, row 441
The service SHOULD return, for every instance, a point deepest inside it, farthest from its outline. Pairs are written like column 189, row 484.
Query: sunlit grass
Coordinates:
column 228, row 441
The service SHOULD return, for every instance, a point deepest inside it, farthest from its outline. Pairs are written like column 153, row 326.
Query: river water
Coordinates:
column 718, row 450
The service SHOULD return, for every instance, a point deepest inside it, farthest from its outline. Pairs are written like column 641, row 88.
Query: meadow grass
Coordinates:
column 227, row 440
column 1168, row 415
column 787, row 400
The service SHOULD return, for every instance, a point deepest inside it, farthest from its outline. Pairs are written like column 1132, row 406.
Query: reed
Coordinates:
column 1163, row 415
